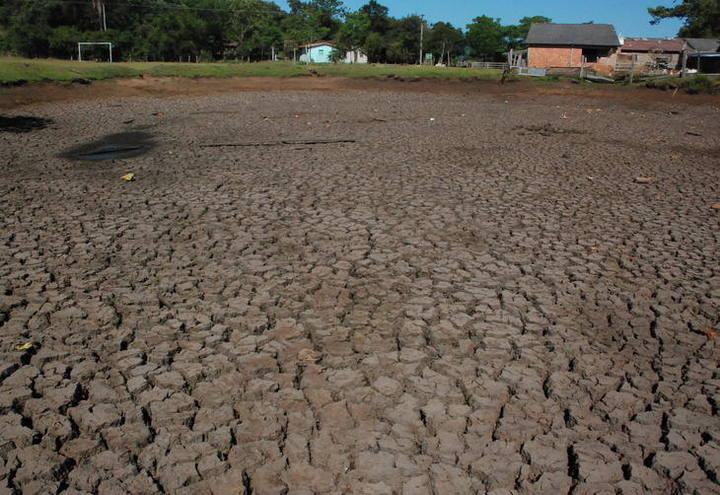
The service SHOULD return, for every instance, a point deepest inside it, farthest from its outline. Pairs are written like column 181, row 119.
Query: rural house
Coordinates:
column 321, row 52
column 565, row 46
column 356, row 56
column 317, row 53
column 703, row 54
column 652, row 52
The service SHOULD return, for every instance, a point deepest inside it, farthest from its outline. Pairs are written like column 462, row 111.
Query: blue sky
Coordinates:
column 629, row 17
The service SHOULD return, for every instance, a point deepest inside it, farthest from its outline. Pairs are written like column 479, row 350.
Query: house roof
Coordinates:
column 318, row 43
column 653, row 45
column 699, row 45
column 572, row 35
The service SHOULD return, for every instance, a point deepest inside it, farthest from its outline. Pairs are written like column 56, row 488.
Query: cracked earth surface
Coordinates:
column 486, row 302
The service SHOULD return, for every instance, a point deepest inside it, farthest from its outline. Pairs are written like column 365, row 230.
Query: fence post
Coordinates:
column 684, row 63
column 632, row 69
column 582, row 67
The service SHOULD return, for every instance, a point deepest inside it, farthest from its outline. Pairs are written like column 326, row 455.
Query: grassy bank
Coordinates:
column 19, row 69
column 698, row 84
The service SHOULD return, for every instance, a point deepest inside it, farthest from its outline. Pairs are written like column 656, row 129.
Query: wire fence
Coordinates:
column 489, row 65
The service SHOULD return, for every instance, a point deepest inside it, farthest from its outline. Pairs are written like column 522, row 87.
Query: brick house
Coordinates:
column 652, row 52
column 565, row 45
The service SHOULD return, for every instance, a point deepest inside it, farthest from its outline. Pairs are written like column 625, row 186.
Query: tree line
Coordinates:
column 252, row 30
column 701, row 17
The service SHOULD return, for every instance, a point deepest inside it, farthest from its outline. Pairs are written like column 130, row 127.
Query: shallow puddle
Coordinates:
column 113, row 147
column 23, row 123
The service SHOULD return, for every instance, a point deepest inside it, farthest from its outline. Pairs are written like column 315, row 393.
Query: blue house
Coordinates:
column 317, row 53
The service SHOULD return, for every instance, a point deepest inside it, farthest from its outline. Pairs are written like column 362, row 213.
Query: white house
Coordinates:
column 356, row 56
column 321, row 52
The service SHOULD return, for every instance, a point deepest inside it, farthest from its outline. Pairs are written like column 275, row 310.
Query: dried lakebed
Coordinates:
column 474, row 296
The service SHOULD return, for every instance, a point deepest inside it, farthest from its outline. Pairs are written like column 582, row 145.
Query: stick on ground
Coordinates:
column 278, row 143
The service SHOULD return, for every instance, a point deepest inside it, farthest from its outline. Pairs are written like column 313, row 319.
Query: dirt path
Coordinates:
column 474, row 297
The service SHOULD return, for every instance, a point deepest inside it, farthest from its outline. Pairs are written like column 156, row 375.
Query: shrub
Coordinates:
column 63, row 41
column 695, row 85
column 664, row 84
column 700, row 84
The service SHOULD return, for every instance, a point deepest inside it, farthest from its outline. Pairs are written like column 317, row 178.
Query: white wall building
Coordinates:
column 355, row 57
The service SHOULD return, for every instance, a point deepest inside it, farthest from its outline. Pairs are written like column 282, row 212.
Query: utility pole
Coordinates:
column 422, row 32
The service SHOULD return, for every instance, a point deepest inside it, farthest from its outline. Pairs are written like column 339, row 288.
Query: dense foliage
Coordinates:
column 204, row 30
column 702, row 17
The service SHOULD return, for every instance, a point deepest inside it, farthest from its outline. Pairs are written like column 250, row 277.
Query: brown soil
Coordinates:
column 475, row 295
column 38, row 93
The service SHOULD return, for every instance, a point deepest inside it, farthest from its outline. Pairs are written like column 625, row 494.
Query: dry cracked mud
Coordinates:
column 474, row 297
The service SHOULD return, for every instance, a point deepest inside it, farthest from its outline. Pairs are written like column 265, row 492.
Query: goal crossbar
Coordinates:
column 85, row 43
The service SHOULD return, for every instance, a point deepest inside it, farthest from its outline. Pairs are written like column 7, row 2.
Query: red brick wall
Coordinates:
column 544, row 57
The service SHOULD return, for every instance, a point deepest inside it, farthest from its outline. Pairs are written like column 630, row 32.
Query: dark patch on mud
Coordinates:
column 547, row 130
column 23, row 123
column 113, row 147
column 13, row 84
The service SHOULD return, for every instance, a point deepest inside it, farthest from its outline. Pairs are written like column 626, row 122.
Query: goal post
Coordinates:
column 87, row 43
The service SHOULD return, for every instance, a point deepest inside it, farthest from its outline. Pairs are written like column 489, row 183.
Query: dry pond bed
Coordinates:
column 472, row 294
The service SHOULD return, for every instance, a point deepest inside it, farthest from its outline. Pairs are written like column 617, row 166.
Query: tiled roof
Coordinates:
column 572, row 35
column 703, row 44
column 653, row 45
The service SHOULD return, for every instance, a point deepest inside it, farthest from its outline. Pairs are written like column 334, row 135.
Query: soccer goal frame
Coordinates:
column 85, row 43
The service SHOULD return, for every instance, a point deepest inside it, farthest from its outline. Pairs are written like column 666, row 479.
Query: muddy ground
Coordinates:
column 475, row 296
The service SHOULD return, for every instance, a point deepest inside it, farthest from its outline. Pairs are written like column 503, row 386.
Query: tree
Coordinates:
column 63, row 40
column 245, row 29
column 701, row 17
column 315, row 20
column 176, row 35
column 99, row 6
column 30, row 29
column 376, row 41
column 514, row 36
column 444, row 39
column 375, row 48
column 523, row 28
column 485, row 37
column 354, row 31
column 378, row 14
column 6, row 10
column 253, row 29
column 403, row 40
